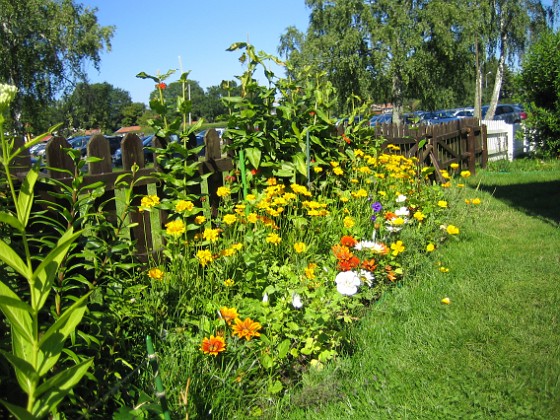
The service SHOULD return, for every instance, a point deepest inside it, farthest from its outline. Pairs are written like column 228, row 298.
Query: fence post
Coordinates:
column 471, row 150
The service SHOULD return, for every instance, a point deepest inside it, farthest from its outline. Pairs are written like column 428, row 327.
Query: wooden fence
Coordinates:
column 132, row 154
column 462, row 142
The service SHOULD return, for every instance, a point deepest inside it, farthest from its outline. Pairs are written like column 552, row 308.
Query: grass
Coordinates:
column 494, row 351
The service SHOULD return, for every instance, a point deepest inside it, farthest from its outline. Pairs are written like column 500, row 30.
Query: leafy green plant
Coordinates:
column 36, row 345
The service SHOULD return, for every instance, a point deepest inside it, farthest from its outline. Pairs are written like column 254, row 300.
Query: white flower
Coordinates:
column 367, row 277
column 403, row 211
column 379, row 248
column 401, row 198
column 296, row 301
column 347, row 283
column 265, row 298
column 364, row 245
column 7, row 95
column 394, row 228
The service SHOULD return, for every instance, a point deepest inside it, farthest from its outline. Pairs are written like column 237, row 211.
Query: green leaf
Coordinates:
column 19, row 412
column 14, row 222
column 26, row 374
column 17, row 312
column 254, row 156
column 52, row 342
column 275, row 387
column 44, row 274
column 300, row 163
column 55, row 389
column 26, row 195
column 236, row 46
column 267, row 361
column 9, row 256
column 283, row 348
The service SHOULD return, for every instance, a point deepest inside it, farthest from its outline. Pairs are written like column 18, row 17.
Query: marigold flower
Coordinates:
column 454, row 166
column 338, row 171
column 361, row 193
column 476, row 201
column 300, row 247
column 251, row 197
column 442, row 204
column 274, row 239
column 223, row 191
column 348, row 241
column 430, row 247
column 228, row 314
column 155, row 273
column 148, row 202
column 213, row 345
column 317, row 169
column 452, row 230
column 397, row 248
column 246, row 329
column 211, row 234
column 465, row 174
column 199, row 220
column 229, row 219
column 310, row 271
column 184, row 205
column 348, row 222
column 228, row 282
column 175, row 228
column 204, row 257
column 419, row 216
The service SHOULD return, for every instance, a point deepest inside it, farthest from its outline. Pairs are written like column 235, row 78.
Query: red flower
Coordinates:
column 312, row 113
column 254, row 171
column 161, row 86
column 346, row 139
column 348, row 241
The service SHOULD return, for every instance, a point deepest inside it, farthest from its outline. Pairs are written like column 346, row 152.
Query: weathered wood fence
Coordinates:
column 463, row 141
column 103, row 171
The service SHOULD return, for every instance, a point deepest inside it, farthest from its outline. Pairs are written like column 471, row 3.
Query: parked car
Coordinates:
column 510, row 113
column 437, row 117
column 148, row 154
column 79, row 143
column 381, row 119
column 200, row 138
column 462, row 112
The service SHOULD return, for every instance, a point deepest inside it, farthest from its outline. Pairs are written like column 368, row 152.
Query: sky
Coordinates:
column 150, row 36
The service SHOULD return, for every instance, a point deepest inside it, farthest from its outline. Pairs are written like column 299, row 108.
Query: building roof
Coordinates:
column 131, row 129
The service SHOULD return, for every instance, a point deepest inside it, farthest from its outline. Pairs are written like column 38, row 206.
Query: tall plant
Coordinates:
column 36, row 345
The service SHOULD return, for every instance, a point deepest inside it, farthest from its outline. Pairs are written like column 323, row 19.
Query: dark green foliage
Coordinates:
column 540, row 82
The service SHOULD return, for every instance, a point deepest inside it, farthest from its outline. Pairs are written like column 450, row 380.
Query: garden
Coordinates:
column 233, row 307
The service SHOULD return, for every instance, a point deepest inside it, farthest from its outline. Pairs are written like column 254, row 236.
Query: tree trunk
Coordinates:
column 397, row 98
column 500, row 70
column 478, row 85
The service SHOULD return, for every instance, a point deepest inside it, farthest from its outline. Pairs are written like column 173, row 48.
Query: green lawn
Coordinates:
column 494, row 352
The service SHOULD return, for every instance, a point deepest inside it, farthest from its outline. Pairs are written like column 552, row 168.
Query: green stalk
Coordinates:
column 160, row 392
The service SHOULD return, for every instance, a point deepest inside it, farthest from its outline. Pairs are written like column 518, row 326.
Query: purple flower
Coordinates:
column 376, row 206
column 373, row 218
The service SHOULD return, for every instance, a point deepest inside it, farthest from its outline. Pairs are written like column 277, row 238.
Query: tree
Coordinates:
column 132, row 113
column 213, row 107
column 174, row 90
column 45, row 46
column 540, row 81
column 99, row 105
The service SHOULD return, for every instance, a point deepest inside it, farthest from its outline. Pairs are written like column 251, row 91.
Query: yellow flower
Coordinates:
column 228, row 314
column 317, row 169
column 430, row 247
column 148, row 202
column 454, row 166
column 274, row 239
column 338, row 171
column 446, row 301
column 444, row 269
column 175, row 228
column 358, row 153
column 211, row 234
column 238, row 246
column 452, row 230
column 419, row 216
column 397, row 248
column 300, row 247
column 155, row 273
column 251, row 197
column 334, row 164
column 230, row 219
column 361, row 193
column 467, row 201
column 310, row 271
column 476, row 201
column 465, row 174
column 184, row 205
column 271, row 181
column 460, row 185
column 442, row 204
column 204, row 257
column 229, row 283
column 199, row 220
column 252, row 217
column 223, row 191
column 344, row 199
column 348, row 222
column 397, row 221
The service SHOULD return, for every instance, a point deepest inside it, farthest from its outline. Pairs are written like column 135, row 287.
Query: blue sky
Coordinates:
column 151, row 36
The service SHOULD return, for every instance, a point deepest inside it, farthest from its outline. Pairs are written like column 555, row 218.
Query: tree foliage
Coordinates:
column 45, row 47
column 540, row 81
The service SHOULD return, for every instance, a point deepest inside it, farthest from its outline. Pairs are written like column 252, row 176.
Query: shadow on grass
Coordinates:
column 538, row 199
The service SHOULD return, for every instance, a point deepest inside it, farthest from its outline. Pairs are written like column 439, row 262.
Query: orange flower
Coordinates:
column 247, row 328
column 390, row 215
column 341, row 252
column 369, row 265
column 348, row 264
column 213, row 345
column 348, row 241
column 228, row 314
column 161, row 86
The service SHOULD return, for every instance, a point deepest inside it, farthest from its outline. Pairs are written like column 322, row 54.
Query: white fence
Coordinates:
column 505, row 141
